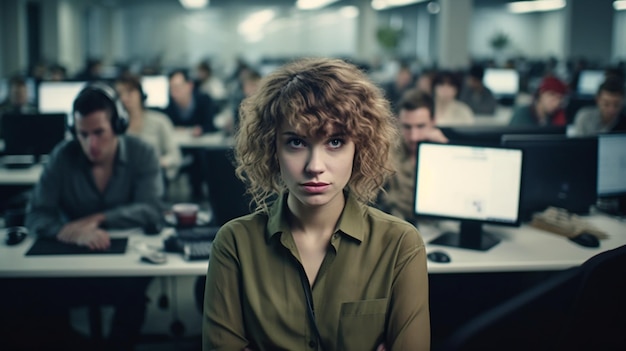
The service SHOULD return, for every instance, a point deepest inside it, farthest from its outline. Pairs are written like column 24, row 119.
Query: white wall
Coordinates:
column 14, row 42
column 619, row 36
column 552, row 33
column 523, row 32
column 71, row 50
column 535, row 35
column 183, row 37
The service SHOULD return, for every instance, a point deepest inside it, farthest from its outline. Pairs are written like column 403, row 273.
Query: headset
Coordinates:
column 119, row 116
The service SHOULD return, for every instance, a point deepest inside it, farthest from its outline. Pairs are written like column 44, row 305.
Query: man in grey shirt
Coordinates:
column 100, row 180
column 608, row 115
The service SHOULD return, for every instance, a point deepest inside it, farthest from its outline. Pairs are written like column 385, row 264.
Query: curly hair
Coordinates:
column 317, row 96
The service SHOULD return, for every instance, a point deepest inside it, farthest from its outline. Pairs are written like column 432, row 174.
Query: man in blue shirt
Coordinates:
column 191, row 109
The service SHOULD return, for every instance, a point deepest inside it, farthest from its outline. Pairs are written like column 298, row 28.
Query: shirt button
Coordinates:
column 312, row 344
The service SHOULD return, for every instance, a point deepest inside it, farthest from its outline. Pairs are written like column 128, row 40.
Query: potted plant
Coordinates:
column 388, row 38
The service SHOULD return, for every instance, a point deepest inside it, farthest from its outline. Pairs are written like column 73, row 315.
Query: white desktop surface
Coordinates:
column 15, row 264
column 21, row 176
column 521, row 249
column 184, row 139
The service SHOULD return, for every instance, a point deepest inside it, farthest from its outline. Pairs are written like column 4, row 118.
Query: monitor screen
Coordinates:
column 501, row 81
column 472, row 184
column 611, row 165
column 156, row 89
column 58, row 97
column 589, row 81
column 32, row 134
column 558, row 171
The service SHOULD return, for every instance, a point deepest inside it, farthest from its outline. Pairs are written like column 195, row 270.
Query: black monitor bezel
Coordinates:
column 550, row 138
column 37, row 152
column 492, row 135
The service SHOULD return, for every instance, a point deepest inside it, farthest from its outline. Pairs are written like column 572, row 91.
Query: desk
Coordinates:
column 501, row 117
column 521, row 249
column 216, row 140
column 21, row 176
column 14, row 263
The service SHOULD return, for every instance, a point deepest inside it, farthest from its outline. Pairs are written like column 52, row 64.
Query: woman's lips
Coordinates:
column 314, row 188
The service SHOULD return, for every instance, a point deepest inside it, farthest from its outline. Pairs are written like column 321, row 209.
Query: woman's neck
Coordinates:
column 317, row 221
column 135, row 120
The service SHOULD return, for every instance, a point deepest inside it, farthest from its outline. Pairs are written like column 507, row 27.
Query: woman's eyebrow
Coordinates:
column 291, row 133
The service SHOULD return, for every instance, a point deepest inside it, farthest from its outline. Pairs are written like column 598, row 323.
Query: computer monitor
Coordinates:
column 228, row 195
column 472, row 184
column 492, row 135
column 58, row 97
column 32, row 134
column 611, row 165
column 156, row 89
column 589, row 81
column 503, row 82
column 558, row 171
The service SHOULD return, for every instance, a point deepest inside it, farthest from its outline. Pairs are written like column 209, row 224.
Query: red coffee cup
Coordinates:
column 186, row 214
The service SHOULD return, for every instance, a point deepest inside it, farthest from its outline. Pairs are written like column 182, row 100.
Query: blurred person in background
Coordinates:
column 546, row 109
column 17, row 100
column 608, row 115
column 152, row 126
column 449, row 110
column 476, row 95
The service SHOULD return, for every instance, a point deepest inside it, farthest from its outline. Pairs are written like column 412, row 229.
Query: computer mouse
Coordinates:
column 154, row 257
column 15, row 235
column 438, row 256
column 586, row 240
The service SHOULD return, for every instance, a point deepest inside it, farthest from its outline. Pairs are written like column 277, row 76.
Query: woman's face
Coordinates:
column 314, row 169
column 445, row 92
column 131, row 99
column 549, row 102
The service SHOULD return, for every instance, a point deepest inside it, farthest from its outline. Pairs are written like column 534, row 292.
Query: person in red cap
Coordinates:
column 546, row 108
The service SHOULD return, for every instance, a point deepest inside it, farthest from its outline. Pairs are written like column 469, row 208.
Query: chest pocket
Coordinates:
column 362, row 324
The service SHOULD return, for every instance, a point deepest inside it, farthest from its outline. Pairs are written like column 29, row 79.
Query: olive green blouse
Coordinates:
column 372, row 286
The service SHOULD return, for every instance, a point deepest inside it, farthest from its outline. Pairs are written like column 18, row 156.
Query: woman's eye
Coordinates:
column 336, row 143
column 295, row 142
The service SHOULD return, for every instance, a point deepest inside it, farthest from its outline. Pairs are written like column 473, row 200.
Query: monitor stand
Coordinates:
column 470, row 236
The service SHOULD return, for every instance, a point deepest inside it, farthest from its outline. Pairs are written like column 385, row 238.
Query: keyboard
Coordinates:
column 197, row 233
column 193, row 243
column 197, row 250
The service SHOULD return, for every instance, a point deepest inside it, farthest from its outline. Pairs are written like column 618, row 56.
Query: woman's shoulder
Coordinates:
column 386, row 229
column 157, row 117
column 381, row 219
column 463, row 108
column 240, row 227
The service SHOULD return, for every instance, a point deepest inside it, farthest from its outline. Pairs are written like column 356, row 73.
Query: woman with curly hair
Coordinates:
column 315, row 267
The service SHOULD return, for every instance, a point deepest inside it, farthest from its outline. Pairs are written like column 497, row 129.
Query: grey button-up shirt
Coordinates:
column 67, row 191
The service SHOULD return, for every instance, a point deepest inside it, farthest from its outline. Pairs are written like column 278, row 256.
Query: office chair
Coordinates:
column 597, row 319
column 582, row 308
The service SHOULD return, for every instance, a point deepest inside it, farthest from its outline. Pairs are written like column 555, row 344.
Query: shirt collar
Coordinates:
column 351, row 221
column 122, row 150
